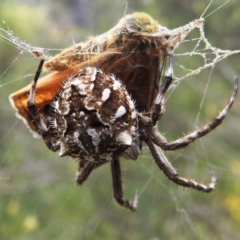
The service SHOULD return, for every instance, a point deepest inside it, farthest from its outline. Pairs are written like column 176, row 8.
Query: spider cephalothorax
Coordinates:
column 105, row 97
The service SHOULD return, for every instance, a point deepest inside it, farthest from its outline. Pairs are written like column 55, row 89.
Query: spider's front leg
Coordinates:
column 159, row 103
column 162, row 142
column 117, row 186
column 172, row 174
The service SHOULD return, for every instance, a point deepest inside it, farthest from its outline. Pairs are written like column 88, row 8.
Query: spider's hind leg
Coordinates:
column 34, row 111
column 30, row 102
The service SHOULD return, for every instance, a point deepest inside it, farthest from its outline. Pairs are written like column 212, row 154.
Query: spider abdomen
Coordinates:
column 94, row 116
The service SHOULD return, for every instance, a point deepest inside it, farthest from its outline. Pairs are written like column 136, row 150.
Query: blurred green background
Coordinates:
column 38, row 196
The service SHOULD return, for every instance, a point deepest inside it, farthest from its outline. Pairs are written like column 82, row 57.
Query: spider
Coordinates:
column 105, row 107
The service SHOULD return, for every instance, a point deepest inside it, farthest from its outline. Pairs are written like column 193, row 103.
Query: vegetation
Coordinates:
column 39, row 199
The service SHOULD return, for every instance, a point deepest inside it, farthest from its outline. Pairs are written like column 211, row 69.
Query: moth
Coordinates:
column 103, row 98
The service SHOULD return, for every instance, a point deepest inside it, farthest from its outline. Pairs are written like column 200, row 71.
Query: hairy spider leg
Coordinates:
column 172, row 174
column 34, row 111
column 159, row 102
column 85, row 168
column 162, row 142
column 117, row 187
column 156, row 142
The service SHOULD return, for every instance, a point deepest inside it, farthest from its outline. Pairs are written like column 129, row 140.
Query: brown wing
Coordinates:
column 138, row 64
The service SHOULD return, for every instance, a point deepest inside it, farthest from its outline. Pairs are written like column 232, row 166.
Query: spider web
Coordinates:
column 40, row 176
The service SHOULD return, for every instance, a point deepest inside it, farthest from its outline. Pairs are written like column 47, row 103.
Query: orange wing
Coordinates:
column 47, row 88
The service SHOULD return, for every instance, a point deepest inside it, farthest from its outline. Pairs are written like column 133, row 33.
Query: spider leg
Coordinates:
column 172, row 174
column 162, row 142
column 30, row 102
column 85, row 168
column 159, row 103
column 34, row 111
column 117, row 187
